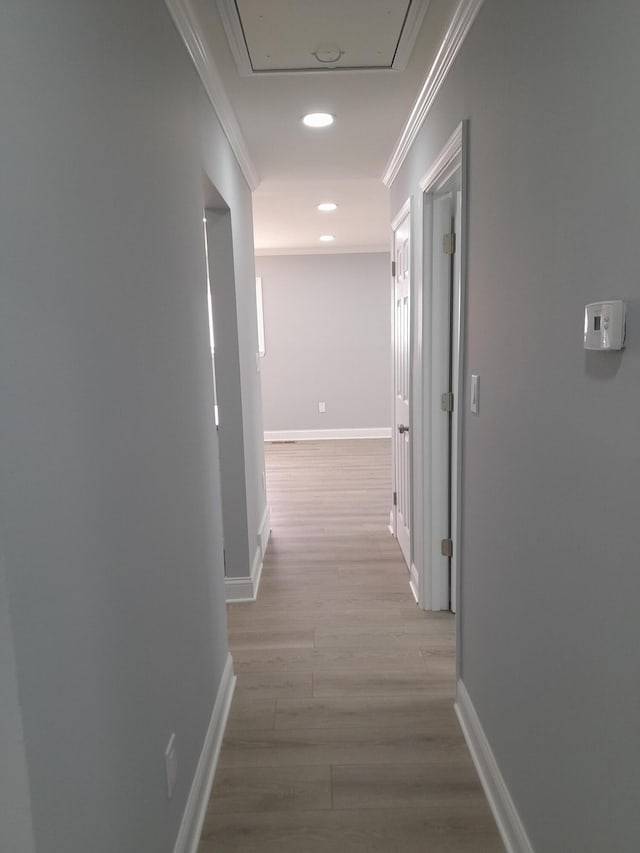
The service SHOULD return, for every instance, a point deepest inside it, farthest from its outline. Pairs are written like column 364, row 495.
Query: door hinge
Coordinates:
column 449, row 244
column 446, row 401
column 446, row 547
column 393, row 269
column 395, row 499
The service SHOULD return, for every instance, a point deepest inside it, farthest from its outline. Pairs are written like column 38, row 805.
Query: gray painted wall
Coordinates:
column 328, row 338
column 110, row 500
column 550, row 526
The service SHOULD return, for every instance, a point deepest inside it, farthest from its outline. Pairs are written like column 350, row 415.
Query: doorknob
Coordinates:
column 402, row 428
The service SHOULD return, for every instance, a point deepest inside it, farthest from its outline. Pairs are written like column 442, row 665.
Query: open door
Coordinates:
column 444, row 295
column 401, row 270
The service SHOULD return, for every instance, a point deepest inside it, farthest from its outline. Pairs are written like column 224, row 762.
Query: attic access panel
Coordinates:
column 307, row 36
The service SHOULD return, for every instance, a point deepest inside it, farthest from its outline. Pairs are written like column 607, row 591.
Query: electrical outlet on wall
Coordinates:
column 171, row 765
column 322, row 408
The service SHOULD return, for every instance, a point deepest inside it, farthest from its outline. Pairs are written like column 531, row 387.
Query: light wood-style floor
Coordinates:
column 342, row 736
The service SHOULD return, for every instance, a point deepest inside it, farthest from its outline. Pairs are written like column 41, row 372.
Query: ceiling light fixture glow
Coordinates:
column 318, row 119
column 327, row 206
column 327, row 238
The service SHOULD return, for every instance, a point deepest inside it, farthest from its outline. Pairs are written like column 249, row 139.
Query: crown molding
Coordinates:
column 456, row 33
column 187, row 25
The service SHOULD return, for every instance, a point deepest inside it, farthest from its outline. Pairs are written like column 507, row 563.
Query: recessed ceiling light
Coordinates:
column 318, row 119
column 327, row 238
column 327, row 206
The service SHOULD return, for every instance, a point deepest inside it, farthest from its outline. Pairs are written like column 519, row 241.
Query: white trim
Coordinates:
column 341, row 250
column 414, row 583
column 326, row 434
column 504, row 811
column 262, row 351
column 410, row 30
column 256, row 571
column 264, row 531
column 461, row 23
column 393, row 512
column 404, row 211
column 445, row 164
column 198, row 799
column 235, row 36
column 434, row 587
column 246, row 589
column 239, row 589
column 187, row 24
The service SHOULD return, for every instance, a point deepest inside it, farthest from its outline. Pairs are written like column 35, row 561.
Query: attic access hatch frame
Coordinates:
column 234, row 30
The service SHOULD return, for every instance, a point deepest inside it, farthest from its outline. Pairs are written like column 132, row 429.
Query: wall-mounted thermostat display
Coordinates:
column 604, row 325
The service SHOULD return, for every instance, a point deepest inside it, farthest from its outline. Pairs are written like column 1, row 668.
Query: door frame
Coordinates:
column 407, row 209
column 452, row 157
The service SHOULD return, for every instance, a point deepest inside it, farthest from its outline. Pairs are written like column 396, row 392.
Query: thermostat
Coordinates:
column 604, row 325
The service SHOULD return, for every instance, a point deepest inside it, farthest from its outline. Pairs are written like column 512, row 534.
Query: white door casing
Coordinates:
column 441, row 292
column 402, row 385
column 444, row 203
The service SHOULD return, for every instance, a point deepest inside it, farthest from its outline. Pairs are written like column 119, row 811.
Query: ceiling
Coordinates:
column 271, row 61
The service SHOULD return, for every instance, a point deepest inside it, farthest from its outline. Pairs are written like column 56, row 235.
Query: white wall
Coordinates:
column 327, row 330
column 110, row 500
column 550, row 526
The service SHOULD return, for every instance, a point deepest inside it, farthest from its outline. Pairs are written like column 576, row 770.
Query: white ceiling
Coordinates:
column 298, row 167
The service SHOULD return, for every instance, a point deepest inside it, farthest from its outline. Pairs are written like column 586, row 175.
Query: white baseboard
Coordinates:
column 246, row 589
column 196, row 807
column 239, row 589
column 326, row 434
column 265, row 531
column 414, row 583
column 504, row 811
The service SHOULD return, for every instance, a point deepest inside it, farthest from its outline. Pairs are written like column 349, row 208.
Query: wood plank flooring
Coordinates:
column 342, row 736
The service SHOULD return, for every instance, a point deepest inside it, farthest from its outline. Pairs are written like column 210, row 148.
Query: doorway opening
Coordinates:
column 225, row 352
column 444, row 241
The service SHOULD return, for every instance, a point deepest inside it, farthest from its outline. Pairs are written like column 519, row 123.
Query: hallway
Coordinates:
column 342, row 734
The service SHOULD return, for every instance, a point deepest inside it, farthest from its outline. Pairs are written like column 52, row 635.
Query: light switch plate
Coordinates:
column 475, row 393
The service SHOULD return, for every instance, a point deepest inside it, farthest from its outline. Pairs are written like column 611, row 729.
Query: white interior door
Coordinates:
column 402, row 374
column 441, row 385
